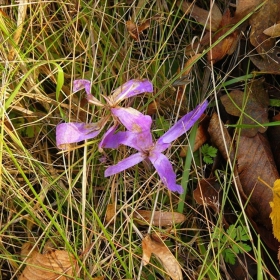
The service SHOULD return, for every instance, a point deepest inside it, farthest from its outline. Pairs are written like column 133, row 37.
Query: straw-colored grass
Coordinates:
column 60, row 198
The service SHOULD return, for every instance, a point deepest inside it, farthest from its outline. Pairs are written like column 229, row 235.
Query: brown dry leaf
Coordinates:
column 244, row 7
column 273, row 31
column 228, row 44
column 135, row 30
column 110, row 213
column 266, row 17
column 164, row 219
column 275, row 213
column 190, row 63
column 255, row 160
column 212, row 22
column 251, row 105
column 270, row 63
column 221, row 138
column 183, row 81
column 54, row 264
column 207, row 193
column 168, row 261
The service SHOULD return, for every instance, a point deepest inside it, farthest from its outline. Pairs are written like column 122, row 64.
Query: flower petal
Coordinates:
column 131, row 88
column 112, row 140
column 165, row 171
column 140, row 141
column 123, row 164
column 82, row 83
column 184, row 124
column 132, row 119
column 67, row 133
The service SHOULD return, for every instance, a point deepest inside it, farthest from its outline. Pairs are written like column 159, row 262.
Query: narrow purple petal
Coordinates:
column 67, row 133
column 132, row 119
column 165, row 171
column 160, row 146
column 184, row 124
column 131, row 88
column 123, row 164
column 80, row 84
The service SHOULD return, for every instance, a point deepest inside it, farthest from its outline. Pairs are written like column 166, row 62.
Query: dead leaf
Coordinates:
column 273, row 31
column 189, row 64
column 54, row 264
column 135, row 30
column 228, row 44
column 268, row 63
column 163, row 254
column 110, row 214
column 164, row 219
column 275, row 213
column 266, row 17
column 251, row 105
column 244, row 7
column 184, row 80
column 255, row 160
column 221, row 138
column 207, row 193
column 212, row 22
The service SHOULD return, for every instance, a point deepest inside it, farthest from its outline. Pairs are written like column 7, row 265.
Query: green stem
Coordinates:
column 187, row 167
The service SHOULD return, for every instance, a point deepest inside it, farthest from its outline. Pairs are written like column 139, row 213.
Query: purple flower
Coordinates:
column 147, row 149
column 128, row 89
column 73, row 132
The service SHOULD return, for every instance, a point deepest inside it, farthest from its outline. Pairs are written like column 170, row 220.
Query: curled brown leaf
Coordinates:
column 163, row 254
column 209, row 19
column 160, row 218
column 51, row 265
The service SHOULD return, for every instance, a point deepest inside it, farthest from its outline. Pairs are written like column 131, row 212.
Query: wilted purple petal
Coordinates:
column 184, row 124
column 80, row 84
column 124, row 164
column 67, row 133
column 132, row 119
column 131, row 88
column 165, row 171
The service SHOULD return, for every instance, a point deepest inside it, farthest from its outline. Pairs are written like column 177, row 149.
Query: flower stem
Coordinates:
column 187, row 167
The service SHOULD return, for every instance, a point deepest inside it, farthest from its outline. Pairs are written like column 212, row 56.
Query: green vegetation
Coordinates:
column 208, row 152
column 59, row 199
